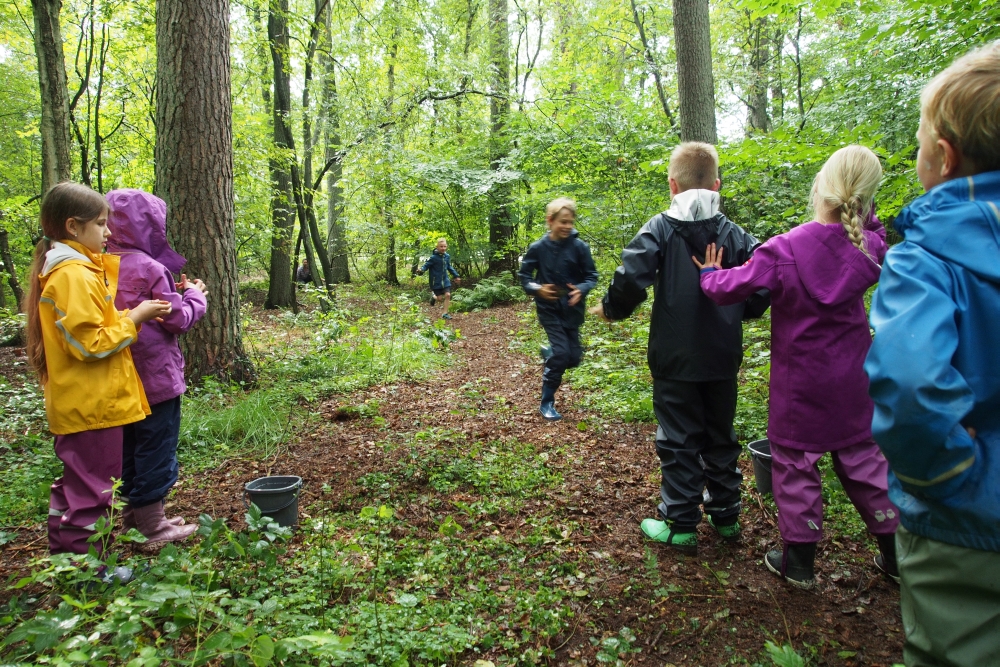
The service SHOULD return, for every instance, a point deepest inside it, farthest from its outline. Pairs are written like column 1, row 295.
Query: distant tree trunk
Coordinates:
column 194, row 173
column 695, row 85
column 8, row 265
column 56, row 164
column 336, row 236
column 502, row 255
column 280, row 290
column 758, row 117
column 654, row 67
column 387, row 206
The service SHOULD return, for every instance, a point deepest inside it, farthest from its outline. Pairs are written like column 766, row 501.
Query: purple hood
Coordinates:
column 832, row 272
column 139, row 222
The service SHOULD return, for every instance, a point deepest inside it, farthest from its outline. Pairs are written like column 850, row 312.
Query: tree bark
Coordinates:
column 502, row 255
column 8, row 265
column 56, row 164
column 194, row 173
column 387, row 211
column 336, row 235
column 280, row 291
column 758, row 116
column 695, row 85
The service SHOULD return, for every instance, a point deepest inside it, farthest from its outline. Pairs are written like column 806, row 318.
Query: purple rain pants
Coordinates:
column 798, row 487
column 83, row 494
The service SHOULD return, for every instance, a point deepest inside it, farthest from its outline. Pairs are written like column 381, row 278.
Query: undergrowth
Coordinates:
column 487, row 293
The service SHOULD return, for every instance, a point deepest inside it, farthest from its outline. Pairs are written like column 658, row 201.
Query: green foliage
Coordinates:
column 487, row 293
column 784, row 655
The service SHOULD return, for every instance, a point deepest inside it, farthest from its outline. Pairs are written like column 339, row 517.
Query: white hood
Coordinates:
column 694, row 205
column 59, row 253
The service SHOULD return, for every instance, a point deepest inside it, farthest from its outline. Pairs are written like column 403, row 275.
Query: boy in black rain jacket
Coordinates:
column 558, row 271
column 695, row 349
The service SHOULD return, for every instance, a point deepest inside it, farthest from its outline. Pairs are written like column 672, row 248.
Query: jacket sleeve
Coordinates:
column 589, row 270
column 920, row 398
column 526, row 274
column 79, row 317
column 728, row 287
column 640, row 261
column 426, row 264
column 186, row 308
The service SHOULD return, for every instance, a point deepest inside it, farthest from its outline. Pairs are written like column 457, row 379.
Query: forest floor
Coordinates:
column 464, row 458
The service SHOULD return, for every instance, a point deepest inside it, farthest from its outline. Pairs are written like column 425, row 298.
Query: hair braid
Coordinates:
column 850, row 218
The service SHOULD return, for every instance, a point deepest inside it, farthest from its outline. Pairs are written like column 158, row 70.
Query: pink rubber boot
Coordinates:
column 155, row 527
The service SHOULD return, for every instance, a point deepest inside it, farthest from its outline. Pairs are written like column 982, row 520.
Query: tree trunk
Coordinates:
column 194, row 173
column 8, row 265
column 280, row 291
column 387, row 206
column 502, row 255
column 695, row 85
column 336, row 236
column 758, row 117
column 654, row 67
column 56, row 164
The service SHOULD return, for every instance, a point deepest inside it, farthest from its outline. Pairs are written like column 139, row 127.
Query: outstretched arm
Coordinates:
column 727, row 287
column 640, row 262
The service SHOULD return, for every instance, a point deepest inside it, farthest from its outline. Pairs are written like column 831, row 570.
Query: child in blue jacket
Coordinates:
column 438, row 266
column 558, row 271
column 934, row 371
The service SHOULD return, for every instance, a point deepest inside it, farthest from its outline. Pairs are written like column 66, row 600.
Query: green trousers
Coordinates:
column 950, row 598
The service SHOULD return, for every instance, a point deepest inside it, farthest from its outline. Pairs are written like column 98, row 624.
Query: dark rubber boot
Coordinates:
column 548, row 406
column 794, row 566
column 885, row 561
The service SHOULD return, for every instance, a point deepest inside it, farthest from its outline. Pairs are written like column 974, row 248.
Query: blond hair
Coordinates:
column 556, row 205
column 962, row 106
column 694, row 164
column 846, row 186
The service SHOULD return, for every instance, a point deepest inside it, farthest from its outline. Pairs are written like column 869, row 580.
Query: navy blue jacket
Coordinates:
column 559, row 263
column 934, row 366
column 438, row 267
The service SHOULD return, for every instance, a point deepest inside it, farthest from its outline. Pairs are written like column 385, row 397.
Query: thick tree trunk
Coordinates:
column 56, row 164
column 502, row 255
column 695, row 84
column 336, row 235
column 280, row 291
column 194, row 173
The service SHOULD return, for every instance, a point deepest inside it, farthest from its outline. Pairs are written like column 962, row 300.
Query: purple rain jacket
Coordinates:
column 139, row 236
column 819, row 331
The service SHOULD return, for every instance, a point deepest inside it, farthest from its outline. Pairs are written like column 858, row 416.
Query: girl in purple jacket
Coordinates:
column 149, row 464
column 818, row 274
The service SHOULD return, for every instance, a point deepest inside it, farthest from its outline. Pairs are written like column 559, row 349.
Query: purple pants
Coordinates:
column 83, row 494
column 798, row 488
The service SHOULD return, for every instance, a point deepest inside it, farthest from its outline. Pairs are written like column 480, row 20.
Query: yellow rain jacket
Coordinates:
column 92, row 381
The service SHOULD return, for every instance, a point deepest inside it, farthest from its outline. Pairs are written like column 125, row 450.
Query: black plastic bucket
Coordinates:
column 277, row 497
column 760, row 454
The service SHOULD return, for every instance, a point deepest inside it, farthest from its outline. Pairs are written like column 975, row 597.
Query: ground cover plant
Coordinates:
column 440, row 522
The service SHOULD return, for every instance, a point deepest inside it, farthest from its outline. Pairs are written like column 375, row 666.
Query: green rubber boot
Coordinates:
column 732, row 532
column 659, row 531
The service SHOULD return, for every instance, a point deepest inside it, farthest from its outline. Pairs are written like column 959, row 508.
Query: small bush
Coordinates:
column 487, row 293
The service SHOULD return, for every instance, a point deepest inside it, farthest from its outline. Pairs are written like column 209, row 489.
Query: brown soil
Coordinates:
column 851, row 618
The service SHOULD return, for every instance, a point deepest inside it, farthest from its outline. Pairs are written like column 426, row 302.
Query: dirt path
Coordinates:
column 730, row 604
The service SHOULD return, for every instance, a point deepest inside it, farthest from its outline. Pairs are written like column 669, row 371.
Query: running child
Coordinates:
column 78, row 343
column 438, row 267
column 934, row 369
column 559, row 272
column 148, row 264
column 818, row 274
column 695, row 350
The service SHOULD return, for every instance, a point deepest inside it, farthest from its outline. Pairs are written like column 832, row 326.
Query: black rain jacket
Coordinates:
column 559, row 263
column 690, row 338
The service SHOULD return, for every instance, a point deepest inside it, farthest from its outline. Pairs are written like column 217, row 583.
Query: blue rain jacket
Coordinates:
column 438, row 267
column 934, row 366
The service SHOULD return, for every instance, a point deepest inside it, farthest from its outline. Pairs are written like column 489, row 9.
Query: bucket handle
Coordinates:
column 247, row 503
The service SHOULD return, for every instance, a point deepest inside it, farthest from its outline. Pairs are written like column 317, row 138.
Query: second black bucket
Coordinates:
column 760, row 454
column 277, row 497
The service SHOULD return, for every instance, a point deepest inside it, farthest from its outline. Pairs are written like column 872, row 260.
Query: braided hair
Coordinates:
column 844, row 190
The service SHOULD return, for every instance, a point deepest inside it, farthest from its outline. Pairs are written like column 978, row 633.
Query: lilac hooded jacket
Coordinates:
column 819, row 331
column 139, row 236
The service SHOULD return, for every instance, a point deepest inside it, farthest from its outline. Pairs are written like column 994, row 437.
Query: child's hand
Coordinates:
column 189, row 284
column 149, row 310
column 458, row 281
column 713, row 259
column 574, row 294
column 598, row 310
column 548, row 292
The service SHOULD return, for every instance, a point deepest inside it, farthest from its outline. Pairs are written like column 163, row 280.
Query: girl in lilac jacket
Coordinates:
column 818, row 274
column 149, row 464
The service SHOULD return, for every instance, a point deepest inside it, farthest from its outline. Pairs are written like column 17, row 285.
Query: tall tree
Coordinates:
column 502, row 255
column 695, row 84
column 194, row 173
column 336, row 236
column 56, row 164
column 280, row 292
